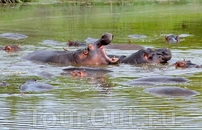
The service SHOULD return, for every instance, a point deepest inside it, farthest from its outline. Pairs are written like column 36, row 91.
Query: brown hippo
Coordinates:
column 11, row 48
column 146, row 56
column 186, row 64
column 94, row 54
column 76, row 43
column 84, row 71
column 171, row 91
column 172, row 39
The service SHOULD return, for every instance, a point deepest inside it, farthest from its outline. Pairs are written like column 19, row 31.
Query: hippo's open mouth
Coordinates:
column 109, row 60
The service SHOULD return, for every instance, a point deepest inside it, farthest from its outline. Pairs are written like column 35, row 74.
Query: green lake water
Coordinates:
column 101, row 101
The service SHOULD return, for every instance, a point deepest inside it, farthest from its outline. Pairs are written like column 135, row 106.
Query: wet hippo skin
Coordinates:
column 170, row 91
column 146, row 56
column 94, row 54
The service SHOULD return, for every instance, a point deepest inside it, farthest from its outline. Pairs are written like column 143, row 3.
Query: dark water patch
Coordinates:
column 171, row 91
column 13, row 36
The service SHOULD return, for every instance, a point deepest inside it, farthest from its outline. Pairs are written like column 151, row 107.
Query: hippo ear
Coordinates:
column 69, row 43
column 176, row 64
column 8, row 48
column 90, row 46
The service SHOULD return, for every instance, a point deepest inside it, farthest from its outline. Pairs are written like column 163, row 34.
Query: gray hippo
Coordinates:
column 171, row 91
column 172, row 39
column 35, row 86
column 156, row 80
column 94, row 54
column 146, row 56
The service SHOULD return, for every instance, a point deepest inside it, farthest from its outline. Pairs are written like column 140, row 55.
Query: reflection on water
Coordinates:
column 102, row 101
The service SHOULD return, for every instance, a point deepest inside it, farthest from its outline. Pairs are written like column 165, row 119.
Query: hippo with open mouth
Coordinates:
column 94, row 54
column 146, row 56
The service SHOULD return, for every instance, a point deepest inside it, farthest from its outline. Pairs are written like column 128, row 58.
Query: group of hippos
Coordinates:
column 94, row 54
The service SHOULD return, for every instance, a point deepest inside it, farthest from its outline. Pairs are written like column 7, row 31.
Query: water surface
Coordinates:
column 102, row 101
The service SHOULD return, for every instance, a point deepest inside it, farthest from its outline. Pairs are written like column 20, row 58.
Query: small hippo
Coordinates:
column 170, row 91
column 76, row 43
column 11, row 48
column 172, row 39
column 186, row 64
column 84, row 71
column 34, row 86
column 94, row 54
column 146, row 56
column 156, row 80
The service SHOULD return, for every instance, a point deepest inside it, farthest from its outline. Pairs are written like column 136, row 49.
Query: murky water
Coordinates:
column 101, row 101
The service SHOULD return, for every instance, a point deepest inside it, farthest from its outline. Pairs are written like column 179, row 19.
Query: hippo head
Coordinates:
column 12, row 48
column 148, row 56
column 95, row 53
column 172, row 39
column 186, row 64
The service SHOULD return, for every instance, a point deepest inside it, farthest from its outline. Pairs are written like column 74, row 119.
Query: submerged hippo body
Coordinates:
column 147, row 56
column 94, row 54
column 170, row 91
column 156, row 80
column 34, row 86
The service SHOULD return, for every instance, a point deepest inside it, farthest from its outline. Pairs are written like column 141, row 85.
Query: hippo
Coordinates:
column 172, row 39
column 84, row 71
column 11, row 48
column 76, row 43
column 146, row 56
column 94, row 54
column 156, row 80
column 35, row 86
column 170, row 91
column 186, row 64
